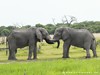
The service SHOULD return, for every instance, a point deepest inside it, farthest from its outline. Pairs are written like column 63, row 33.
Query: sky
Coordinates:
column 31, row 12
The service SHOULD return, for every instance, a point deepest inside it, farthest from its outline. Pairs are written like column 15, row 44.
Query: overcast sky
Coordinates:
column 31, row 12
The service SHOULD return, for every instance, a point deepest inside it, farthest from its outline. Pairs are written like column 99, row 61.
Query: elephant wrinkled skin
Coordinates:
column 26, row 37
column 77, row 37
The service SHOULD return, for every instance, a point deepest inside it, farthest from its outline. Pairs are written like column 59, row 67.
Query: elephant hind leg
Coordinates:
column 31, row 48
column 87, row 48
column 93, row 48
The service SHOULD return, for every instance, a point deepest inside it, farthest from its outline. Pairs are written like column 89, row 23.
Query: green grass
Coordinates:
column 50, row 62
column 51, row 67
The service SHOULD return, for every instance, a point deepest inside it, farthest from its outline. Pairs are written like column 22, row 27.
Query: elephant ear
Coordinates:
column 39, row 35
column 65, row 34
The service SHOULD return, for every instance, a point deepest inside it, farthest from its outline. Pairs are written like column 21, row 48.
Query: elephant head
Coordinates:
column 41, row 34
column 61, row 33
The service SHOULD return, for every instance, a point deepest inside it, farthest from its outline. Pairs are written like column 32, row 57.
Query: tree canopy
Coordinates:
column 92, row 26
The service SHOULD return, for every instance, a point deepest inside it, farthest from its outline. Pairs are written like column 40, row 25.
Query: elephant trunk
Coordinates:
column 49, row 41
column 58, row 42
column 52, row 42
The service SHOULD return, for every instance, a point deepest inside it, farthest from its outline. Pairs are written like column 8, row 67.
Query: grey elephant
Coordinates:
column 27, row 37
column 77, row 37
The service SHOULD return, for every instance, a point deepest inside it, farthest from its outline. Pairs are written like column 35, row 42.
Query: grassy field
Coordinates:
column 50, row 62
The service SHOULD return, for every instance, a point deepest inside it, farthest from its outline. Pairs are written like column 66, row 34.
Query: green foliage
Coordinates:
column 1, row 28
column 50, row 28
column 39, row 25
column 90, row 25
column 5, row 32
column 26, row 26
column 10, row 28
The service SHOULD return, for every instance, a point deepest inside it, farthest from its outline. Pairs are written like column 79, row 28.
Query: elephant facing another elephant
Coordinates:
column 76, row 37
column 27, row 37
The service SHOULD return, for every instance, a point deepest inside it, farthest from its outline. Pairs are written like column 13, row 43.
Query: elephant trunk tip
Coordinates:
column 53, row 41
column 58, row 44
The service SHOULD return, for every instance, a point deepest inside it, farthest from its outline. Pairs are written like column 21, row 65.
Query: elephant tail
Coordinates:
column 95, row 44
column 6, row 46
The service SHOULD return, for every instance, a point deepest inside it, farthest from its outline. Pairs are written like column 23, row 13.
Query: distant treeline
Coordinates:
column 92, row 26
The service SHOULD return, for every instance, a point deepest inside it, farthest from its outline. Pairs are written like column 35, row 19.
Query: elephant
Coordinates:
column 77, row 37
column 20, row 38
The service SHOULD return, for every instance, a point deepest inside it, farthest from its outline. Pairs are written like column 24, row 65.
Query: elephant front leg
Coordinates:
column 12, row 49
column 30, row 52
column 32, row 49
column 35, row 53
column 66, row 47
column 12, row 55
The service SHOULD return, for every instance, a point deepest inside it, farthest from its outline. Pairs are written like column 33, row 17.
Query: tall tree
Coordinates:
column 68, row 20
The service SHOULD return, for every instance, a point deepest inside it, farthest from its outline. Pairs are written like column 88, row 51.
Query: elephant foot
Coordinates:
column 29, row 59
column 65, row 57
column 95, row 56
column 88, row 56
column 34, row 58
column 12, row 58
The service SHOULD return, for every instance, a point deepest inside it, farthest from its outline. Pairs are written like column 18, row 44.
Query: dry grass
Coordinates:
column 97, row 35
